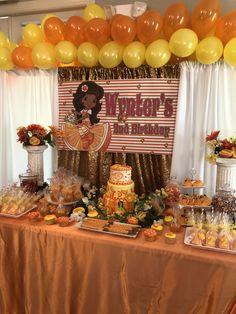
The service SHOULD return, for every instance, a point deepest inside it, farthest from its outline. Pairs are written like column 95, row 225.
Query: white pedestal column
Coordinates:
column 226, row 172
column 35, row 160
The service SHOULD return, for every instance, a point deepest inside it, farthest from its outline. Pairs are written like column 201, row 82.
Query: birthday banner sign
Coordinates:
column 119, row 115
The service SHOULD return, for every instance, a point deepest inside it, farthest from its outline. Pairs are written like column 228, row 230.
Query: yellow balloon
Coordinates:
column 230, row 52
column 44, row 56
column 4, row 41
column 209, row 50
column 5, row 59
column 134, row 54
column 88, row 54
column 93, row 11
column 32, row 35
column 45, row 19
column 110, row 55
column 183, row 42
column 66, row 52
column 158, row 53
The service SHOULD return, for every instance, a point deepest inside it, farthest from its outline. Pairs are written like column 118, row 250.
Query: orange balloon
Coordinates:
column 113, row 18
column 97, row 31
column 149, row 26
column 123, row 29
column 74, row 30
column 54, row 30
column 175, row 17
column 205, row 16
column 226, row 27
column 22, row 57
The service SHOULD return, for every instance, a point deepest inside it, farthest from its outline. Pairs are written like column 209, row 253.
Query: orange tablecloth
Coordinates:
column 53, row 270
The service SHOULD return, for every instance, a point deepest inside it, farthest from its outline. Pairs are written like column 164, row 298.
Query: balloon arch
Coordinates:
column 156, row 40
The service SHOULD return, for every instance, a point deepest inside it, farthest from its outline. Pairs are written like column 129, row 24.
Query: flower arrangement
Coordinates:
column 225, row 148
column 35, row 134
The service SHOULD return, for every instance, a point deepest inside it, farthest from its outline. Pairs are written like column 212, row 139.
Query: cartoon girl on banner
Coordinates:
column 84, row 132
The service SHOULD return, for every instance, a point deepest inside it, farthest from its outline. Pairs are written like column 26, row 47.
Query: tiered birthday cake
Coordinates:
column 120, row 189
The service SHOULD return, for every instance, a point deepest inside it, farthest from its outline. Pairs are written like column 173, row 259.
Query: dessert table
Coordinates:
column 50, row 269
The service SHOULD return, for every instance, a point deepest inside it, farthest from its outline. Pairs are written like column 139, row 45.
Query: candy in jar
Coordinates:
column 173, row 191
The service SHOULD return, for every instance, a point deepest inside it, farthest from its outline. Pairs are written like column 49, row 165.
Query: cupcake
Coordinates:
column 50, row 219
column 198, row 183
column 79, row 210
column 188, row 182
column 92, row 213
column 170, row 237
column 33, row 217
column 150, row 235
column 157, row 227
column 168, row 220
column 63, row 221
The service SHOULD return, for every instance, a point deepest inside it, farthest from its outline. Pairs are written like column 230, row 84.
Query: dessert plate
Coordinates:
column 17, row 215
column 105, row 228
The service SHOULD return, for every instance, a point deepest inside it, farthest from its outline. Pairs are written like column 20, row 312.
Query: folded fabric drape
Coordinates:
column 149, row 172
column 206, row 103
column 26, row 97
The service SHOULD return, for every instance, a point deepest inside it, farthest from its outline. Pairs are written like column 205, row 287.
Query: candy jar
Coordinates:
column 173, row 192
column 29, row 181
column 224, row 200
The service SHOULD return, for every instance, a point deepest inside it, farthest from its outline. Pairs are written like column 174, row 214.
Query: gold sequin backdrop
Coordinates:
column 148, row 171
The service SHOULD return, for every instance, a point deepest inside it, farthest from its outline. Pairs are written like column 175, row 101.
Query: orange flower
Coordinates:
column 35, row 134
column 212, row 136
column 226, row 144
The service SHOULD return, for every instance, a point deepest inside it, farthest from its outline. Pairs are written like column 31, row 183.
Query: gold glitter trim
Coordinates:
column 122, row 72
column 149, row 171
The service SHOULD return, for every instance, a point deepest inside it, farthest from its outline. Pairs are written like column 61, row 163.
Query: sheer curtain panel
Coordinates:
column 207, row 97
column 26, row 97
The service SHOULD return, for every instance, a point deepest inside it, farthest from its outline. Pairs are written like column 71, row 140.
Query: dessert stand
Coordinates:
column 192, row 188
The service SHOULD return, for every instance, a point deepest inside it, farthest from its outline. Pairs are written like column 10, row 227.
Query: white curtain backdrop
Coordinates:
column 26, row 97
column 207, row 102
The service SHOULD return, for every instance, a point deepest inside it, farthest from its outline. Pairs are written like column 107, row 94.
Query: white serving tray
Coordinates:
column 196, row 206
column 187, row 241
column 80, row 226
column 19, row 215
column 63, row 203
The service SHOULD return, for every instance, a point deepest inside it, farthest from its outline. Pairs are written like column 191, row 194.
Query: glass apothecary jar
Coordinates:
column 173, row 192
column 224, row 200
column 29, row 181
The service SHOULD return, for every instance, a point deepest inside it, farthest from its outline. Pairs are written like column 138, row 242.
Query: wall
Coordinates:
column 16, row 15
column 227, row 5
